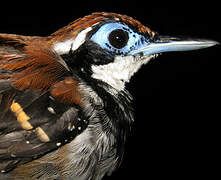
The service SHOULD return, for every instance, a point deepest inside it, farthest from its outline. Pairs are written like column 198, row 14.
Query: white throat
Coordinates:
column 120, row 71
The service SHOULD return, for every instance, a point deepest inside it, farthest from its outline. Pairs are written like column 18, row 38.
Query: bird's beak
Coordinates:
column 168, row 44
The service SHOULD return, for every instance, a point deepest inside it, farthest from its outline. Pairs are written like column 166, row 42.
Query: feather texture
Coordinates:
column 30, row 64
column 33, row 122
column 56, row 122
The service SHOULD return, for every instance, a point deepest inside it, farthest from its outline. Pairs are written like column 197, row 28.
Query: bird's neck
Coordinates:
column 111, row 111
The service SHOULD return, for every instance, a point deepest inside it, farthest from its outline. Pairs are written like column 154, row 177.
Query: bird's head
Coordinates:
column 110, row 48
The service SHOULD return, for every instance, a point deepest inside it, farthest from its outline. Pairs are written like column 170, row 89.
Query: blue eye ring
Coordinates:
column 102, row 38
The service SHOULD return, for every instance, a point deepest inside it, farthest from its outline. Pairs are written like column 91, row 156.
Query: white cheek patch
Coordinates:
column 120, row 71
column 71, row 44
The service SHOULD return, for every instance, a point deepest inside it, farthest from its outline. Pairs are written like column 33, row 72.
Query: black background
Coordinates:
column 176, row 96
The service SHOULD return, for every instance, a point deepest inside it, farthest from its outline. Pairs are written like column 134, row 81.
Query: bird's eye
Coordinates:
column 118, row 38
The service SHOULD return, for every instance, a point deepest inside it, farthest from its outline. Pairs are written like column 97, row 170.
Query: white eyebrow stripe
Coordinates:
column 71, row 44
column 80, row 39
column 63, row 47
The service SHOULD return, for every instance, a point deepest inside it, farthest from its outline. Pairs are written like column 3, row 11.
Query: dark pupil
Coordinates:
column 118, row 38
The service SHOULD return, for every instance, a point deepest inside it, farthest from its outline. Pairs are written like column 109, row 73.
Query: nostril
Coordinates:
column 155, row 37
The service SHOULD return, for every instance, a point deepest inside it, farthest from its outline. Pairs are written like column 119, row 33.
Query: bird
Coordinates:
column 65, row 111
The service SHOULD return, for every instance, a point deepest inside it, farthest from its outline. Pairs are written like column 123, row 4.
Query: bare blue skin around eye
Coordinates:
column 101, row 38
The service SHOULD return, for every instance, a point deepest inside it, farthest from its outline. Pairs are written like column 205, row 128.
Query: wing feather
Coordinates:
column 31, row 64
column 39, row 101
